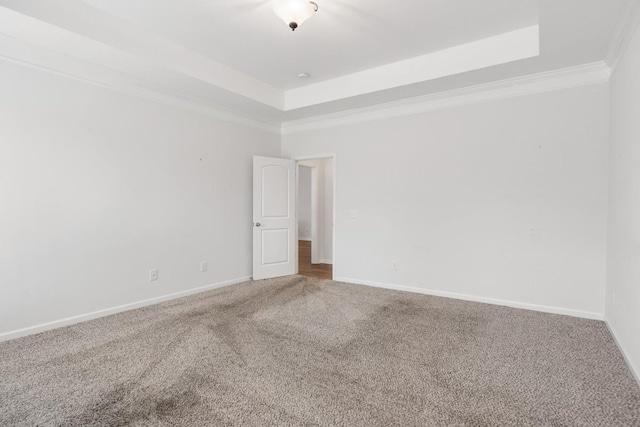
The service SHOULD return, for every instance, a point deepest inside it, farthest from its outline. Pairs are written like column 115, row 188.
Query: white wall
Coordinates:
column 97, row 187
column 304, row 203
column 623, row 282
column 324, row 169
column 504, row 200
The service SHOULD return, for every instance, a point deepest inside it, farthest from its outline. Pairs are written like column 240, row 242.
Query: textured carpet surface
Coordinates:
column 299, row 351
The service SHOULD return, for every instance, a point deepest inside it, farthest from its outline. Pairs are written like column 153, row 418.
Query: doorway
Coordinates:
column 315, row 211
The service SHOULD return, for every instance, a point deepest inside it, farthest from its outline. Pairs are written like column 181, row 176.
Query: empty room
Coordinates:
column 319, row 213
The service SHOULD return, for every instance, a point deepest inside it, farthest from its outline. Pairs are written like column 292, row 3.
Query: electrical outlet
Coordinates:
column 394, row 265
column 204, row 266
column 153, row 275
column 353, row 213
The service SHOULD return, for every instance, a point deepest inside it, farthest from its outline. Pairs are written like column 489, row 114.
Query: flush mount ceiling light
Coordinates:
column 294, row 12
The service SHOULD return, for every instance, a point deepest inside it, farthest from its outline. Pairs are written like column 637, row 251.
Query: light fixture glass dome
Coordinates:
column 294, row 12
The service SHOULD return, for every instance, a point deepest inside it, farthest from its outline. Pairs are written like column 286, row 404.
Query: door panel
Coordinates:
column 275, row 246
column 274, row 218
column 274, row 180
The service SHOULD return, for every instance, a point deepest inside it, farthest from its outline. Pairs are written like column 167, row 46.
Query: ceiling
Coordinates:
column 237, row 56
column 345, row 36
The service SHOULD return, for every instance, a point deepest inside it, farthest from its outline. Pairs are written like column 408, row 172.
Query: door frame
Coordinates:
column 298, row 159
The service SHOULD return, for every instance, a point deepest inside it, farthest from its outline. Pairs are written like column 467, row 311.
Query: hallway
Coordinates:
column 305, row 268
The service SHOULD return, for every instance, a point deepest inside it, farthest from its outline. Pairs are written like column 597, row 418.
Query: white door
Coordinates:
column 274, row 218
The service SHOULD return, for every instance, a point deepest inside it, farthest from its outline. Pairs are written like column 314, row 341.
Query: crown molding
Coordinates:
column 583, row 75
column 89, row 34
column 624, row 33
column 208, row 110
column 495, row 50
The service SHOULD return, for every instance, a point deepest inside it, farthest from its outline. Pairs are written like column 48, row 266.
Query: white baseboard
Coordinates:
column 632, row 367
column 306, row 239
column 494, row 301
column 325, row 261
column 113, row 310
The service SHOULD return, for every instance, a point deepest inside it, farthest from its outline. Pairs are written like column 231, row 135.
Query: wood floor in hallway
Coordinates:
column 305, row 268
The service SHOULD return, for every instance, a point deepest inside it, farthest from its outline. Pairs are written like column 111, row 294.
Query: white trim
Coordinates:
column 624, row 33
column 495, row 50
column 582, row 75
column 113, row 310
column 325, row 261
column 121, row 42
column 465, row 297
column 305, row 239
column 297, row 251
column 208, row 110
column 632, row 367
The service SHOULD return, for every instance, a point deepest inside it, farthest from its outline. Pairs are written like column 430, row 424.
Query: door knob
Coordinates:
column 258, row 224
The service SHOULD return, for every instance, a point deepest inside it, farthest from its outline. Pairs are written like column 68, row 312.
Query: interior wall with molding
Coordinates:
column 502, row 201
column 98, row 187
column 623, row 284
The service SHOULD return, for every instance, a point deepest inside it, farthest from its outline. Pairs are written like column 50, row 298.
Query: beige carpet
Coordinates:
column 297, row 351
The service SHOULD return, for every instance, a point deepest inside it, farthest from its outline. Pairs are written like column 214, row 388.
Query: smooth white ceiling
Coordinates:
column 343, row 37
column 236, row 55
